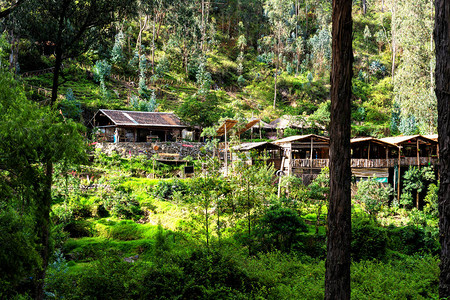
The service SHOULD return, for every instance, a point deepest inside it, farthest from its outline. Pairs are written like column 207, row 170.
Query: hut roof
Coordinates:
column 141, row 118
column 433, row 137
column 299, row 138
column 398, row 140
column 227, row 125
column 371, row 139
column 255, row 146
column 249, row 125
column 287, row 121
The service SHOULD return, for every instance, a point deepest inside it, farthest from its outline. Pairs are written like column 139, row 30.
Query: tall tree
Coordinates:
column 33, row 139
column 337, row 276
column 71, row 25
column 442, row 75
column 281, row 20
column 414, row 78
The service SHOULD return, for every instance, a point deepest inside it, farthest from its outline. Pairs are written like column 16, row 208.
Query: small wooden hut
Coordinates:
column 259, row 151
column 137, row 126
column 304, row 155
column 372, row 157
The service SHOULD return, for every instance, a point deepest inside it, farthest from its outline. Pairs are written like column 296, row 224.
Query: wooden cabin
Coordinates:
column 308, row 154
column 256, row 152
column 415, row 150
column 137, row 126
column 304, row 155
column 372, row 157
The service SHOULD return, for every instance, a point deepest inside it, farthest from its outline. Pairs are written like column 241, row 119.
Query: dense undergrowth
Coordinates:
column 121, row 236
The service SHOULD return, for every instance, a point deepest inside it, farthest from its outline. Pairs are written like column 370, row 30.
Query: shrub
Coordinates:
column 166, row 188
column 122, row 206
column 412, row 239
column 373, row 195
column 369, row 240
column 125, row 231
column 280, row 229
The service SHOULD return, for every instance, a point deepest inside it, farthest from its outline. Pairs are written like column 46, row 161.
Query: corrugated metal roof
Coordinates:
column 227, row 124
column 255, row 145
column 249, row 125
column 371, row 139
column 296, row 138
column 433, row 137
column 397, row 140
column 142, row 118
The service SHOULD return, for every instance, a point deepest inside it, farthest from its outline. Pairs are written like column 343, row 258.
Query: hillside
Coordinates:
column 232, row 73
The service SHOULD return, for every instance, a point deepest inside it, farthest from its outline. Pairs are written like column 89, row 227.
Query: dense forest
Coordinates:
column 78, row 223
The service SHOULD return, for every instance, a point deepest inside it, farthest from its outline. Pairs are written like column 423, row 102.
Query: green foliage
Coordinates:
column 70, row 106
column 18, row 253
column 431, row 200
column 165, row 189
column 204, row 80
column 411, row 239
column 197, row 110
column 117, row 52
column 101, row 70
column 373, row 194
column 414, row 180
column 124, row 231
column 369, row 240
column 123, row 206
column 280, row 229
column 144, row 104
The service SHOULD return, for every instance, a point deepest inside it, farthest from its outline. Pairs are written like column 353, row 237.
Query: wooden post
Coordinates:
column 398, row 181
column 226, row 151
column 418, row 158
column 311, row 156
column 418, row 166
column 368, row 152
column 290, row 160
column 135, row 135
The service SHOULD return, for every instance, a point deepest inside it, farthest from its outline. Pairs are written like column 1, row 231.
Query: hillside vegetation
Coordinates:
column 79, row 224
column 262, row 59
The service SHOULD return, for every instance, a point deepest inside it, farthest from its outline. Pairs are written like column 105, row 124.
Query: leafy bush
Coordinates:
column 369, row 240
column 125, row 231
column 166, row 188
column 280, row 229
column 374, row 195
column 122, row 206
column 18, row 254
column 411, row 239
column 431, row 200
column 79, row 228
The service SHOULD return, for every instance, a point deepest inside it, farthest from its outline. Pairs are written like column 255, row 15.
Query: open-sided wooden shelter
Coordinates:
column 137, row 126
column 304, row 154
column 255, row 152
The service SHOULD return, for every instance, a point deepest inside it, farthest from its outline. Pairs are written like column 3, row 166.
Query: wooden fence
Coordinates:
column 366, row 163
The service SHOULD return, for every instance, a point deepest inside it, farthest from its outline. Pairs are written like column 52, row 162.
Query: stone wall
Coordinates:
column 183, row 149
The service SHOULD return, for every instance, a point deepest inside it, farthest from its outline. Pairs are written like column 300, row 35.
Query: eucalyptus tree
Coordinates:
column 184, row 33
column 414, row 81
column 281, row 19
column 442, row 42
column 73, row 26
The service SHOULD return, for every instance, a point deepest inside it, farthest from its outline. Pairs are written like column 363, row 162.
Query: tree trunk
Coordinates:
column 43, row 228
column 393, row 33
column 442, row 74
column 337, row 275
column 58, row 63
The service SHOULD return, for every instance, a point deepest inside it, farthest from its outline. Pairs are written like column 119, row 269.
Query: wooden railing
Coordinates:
column 366, row 163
